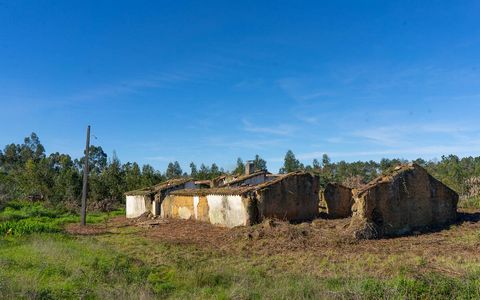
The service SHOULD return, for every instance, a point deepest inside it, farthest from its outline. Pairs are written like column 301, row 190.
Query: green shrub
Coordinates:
column 27, row 226
column 22, row 217
column 372, row 289
column 470, row 203
column 17, row 210
column 162, row 281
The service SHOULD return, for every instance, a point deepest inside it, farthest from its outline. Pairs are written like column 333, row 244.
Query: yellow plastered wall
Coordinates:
column 182, row 207
column 202, row 209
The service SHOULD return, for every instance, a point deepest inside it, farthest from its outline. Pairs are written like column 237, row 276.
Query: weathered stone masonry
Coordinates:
column 398, row 203
column 289, row 197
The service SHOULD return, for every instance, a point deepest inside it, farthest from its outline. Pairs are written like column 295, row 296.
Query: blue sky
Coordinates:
column 210, row 81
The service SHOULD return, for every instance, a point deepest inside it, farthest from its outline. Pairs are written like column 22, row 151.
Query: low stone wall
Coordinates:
column 336, row 201
column 293, row 198
column 406, row 200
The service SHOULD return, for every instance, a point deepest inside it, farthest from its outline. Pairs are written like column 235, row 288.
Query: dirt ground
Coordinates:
column 322, row 257
column 277, row 237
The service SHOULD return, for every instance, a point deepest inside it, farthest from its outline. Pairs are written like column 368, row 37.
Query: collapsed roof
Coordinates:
column 235, row 190
column 159, row 187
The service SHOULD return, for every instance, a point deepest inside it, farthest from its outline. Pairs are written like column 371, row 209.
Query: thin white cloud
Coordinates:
column 249, row 84
column 280, row 129
column 429, row 140
column 256, row 144
column 387, row 136
column 159, row 158
column 129, row 86
column 312, row 120
column 335, row 140
column 374, row 81
column 300, row 89
column 316, row 95
column 399, row 135
column 431, row 151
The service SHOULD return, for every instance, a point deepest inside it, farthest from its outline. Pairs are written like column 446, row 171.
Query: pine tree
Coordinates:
column 204, row 172
column 259, row 164
column 193, row 170
column 173, row 170
column 240, row 168
column 291, row 163
column 214, row 171
column 133, row 176
column 316, row 164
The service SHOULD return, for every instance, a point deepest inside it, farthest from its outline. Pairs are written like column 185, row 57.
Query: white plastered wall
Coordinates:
column 136, row 205
column 226, row 210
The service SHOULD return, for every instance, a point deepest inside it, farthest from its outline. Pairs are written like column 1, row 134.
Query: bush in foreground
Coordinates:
column 22, row 217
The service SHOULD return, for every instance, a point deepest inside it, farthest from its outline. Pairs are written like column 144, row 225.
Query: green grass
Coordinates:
column 54, row 266
column 22, row 217
column 470, row 203
column 195, row 273
column 42, row 262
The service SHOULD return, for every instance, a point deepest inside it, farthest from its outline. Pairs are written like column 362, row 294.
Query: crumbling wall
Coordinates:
column 293, row 197
column 406, row 200
column 136, row 205
column 226, row 210
column 160, row 195
column 181, row 207
column 336, row 201
column 254, row 180
column 202, row 209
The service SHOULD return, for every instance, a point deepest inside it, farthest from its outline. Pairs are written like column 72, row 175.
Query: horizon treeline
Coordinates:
column 27, row 172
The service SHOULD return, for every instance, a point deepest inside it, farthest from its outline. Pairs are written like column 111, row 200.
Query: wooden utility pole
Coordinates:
column 85, row 181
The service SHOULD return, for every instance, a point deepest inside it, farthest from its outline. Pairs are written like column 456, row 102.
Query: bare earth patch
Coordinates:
column 273, row 236
column 323, row 252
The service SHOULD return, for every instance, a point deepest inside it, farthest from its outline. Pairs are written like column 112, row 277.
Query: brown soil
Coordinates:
column 302, row 245
column 329, row 237
column 94, row 229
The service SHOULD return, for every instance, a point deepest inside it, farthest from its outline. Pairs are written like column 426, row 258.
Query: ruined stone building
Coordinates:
column 405, row 200
column 396, row 203
column 292, row 197
column 149, row 199
column 228, row 201
column 336, row 201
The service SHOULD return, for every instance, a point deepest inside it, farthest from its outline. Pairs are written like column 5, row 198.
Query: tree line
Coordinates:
column 27, row 172
column 460, row 174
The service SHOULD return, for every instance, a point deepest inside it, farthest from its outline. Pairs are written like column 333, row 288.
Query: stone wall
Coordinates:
column 336, row 201
column 406, row 200
column 293, row 197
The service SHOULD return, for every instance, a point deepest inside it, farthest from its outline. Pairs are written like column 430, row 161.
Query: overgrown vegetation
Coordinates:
column 460, row 174
column 27, row 172
column 22, row 217
column 55, row 266
column 470, row 203
column 38, row 260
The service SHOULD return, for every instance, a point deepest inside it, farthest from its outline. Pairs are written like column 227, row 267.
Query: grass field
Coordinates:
column 188, row 260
